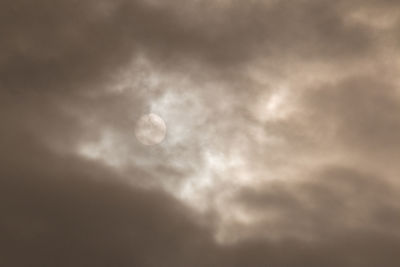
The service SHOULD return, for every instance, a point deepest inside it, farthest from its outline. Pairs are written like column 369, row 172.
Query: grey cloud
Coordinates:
column 363, row 111
column 63, row 45
column 349, row 249
column 71, row 213
column 61, row 209
column 332, row 202
column 323, row 206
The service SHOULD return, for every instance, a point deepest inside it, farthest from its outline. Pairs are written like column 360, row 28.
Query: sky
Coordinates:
column 282, row 133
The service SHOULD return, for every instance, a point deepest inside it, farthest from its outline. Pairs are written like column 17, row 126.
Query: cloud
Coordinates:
column 72, row 213
column 282, row 133
column 67, row 45
column 334, row 200
column 61, row 210
column 362, row 111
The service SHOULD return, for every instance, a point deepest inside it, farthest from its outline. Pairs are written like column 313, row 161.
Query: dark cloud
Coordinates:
column 349, row 249
column 71, row 213
column 331, row 201
column 67, row 45
column 59, row 210
column 77, row 75
column 340, row 209
column 362, row 110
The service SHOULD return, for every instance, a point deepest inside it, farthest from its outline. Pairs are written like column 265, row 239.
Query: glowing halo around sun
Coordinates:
column 150, row 129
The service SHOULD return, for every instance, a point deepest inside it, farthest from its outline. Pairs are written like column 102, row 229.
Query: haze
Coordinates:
column 283, row 134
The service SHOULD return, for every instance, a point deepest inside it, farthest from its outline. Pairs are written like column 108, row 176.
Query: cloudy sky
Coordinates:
column 282, row 145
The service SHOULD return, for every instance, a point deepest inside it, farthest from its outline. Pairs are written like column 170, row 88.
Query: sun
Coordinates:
column 150, row 129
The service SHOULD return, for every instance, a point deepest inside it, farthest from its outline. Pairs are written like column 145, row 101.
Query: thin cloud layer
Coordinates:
column 281, row 145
